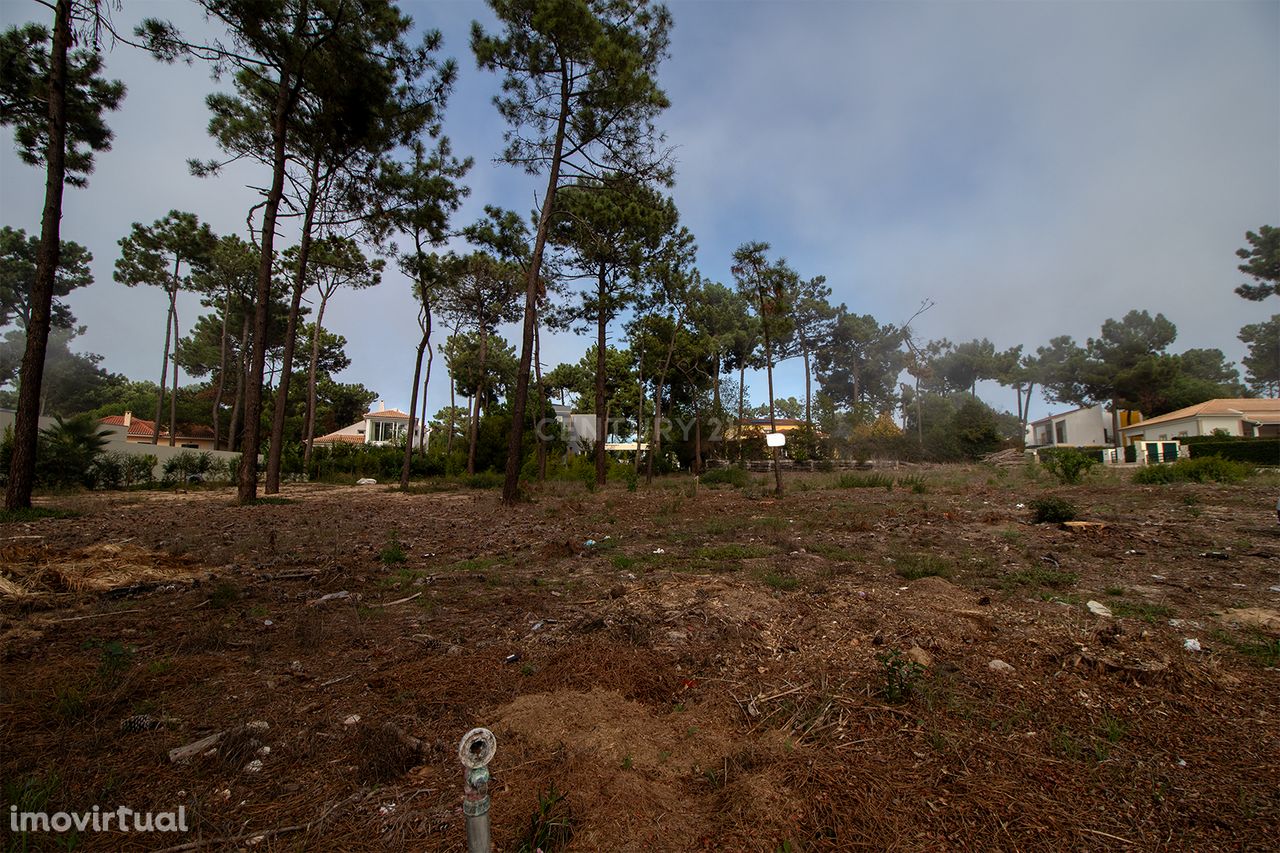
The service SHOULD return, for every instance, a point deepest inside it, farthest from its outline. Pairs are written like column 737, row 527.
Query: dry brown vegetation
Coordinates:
column 721, row 670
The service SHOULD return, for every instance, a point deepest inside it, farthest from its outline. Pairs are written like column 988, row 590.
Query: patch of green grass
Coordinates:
column 69, row 702
column 782, row 583
column 1112, row 729
column 1012, row 535
column 732, row 476
column 551, row 826
column 224, row 594
column 393, row 552
column 1261, row 650
column 1114, row 591
column 865, row 481
column 622, row 561
column 831, row 552
column 475, row 564
column 915, row 566
column 1037, row 576
column 35, row 513
column 1144, row 610
column 731, row 551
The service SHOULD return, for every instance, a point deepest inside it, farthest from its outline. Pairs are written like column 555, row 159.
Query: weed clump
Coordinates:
column 866, row 481
column 393, row 552
column 1204, row 469
column 899, row 675
column 915, row 566
column 738, row 478
column 551, row 827
column 1051, row 510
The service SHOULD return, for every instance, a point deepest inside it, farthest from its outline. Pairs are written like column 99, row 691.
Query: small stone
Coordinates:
column 351, row 720
column 1097, row 608
column 920, row 656
column 998, row 665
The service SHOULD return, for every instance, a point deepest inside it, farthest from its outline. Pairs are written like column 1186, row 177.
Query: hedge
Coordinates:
column 1264, row 451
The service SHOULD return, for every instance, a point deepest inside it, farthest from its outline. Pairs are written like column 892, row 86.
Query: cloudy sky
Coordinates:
column 1033, row 168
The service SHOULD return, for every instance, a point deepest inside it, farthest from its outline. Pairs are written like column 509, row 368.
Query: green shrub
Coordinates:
column 865, row 481
column 915, row 566
column 1052, row 510
column 1067, row 464
column 186, row 466
column 730, row 476
column 899, row 675
column 67, row 451
column 1258, row 451
column 1201, row 469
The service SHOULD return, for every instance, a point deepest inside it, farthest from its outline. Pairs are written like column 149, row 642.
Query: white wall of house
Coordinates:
column 1185, row 427
column 1078, row 428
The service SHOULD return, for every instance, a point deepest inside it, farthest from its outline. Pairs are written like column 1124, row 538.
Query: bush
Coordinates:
column 187, row 467
column 138, row 469
column 1051, row 510
column 1207, row 469
column 67, row 451
column 1259, row 451
column 1067, row 464
column 108, row 470
column 731, row 476
column 865, row 481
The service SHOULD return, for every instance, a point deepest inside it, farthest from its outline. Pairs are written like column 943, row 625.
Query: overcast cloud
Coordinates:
column 1032, row 168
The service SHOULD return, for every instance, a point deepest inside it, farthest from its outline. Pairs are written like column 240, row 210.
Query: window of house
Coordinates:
column 1060, row 431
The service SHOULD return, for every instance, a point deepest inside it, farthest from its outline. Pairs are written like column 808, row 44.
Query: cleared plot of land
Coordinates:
column 719, row 670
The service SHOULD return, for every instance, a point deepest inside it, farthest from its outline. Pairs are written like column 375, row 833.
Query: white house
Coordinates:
column 1237, row 416
column 579, row 429
column 384, row 426
column 1089, row 426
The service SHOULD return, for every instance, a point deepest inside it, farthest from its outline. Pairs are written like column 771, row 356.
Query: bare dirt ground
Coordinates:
column 719, row 670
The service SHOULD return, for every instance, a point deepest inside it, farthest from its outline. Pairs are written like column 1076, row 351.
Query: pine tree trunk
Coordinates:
column 422, row 423
column 413, row 405
column 640, row 416
column 542, row 404
column 26, row 432
column 773, row 423
column 600, row 377
column 515, row 441
column 173, row 398
column 480, row 391
column 808, row 415
column 742, row 375
column 164, row 364
column 222, row 373
column 453, row 410
column 655, row 442
column 237, row 405
column 247, row 476
column 311, row 382
column 275, row 451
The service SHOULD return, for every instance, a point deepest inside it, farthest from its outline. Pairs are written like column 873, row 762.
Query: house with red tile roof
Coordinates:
column 381, row 427
column 141, row 430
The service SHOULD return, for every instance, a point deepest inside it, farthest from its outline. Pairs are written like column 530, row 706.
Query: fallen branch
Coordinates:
column 98, row 615
column 264, row 834
column 398, row 600
column 190, row 750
